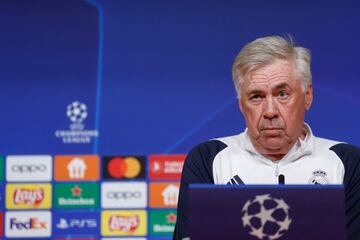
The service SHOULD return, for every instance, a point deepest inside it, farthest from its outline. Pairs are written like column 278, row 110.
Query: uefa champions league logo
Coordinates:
column 266, row 217
column 76, row 112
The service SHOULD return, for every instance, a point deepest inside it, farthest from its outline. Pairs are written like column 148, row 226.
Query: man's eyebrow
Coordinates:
column 277, row 86
column 254, row 92
column 281, row 85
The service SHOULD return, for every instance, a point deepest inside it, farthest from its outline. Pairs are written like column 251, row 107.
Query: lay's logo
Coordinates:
column 124, row 223
column 27, row 196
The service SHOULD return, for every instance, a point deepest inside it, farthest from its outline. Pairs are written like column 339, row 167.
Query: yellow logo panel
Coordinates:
column 123, row 223
column 28, row 196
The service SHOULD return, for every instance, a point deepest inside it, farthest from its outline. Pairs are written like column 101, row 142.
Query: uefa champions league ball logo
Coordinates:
column 76, row 112
column 266, row 217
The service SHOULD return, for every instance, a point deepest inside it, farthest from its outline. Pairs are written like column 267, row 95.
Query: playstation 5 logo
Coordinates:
column 62, row 224
column 76, row 223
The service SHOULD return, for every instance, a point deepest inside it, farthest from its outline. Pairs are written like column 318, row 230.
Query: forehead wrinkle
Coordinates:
column 264, row 78
column 282, row 69
column 267, row 76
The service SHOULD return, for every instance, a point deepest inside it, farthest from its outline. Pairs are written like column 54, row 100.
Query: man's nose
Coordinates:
column 270, row 108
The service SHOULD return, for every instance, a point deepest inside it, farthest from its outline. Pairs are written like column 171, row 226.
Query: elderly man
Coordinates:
column 273, row 81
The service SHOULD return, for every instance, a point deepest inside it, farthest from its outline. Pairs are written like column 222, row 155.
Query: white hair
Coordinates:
column 263, row 51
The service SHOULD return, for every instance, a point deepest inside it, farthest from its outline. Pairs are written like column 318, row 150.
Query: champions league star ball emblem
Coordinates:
column 266, row 217
column 76, row 112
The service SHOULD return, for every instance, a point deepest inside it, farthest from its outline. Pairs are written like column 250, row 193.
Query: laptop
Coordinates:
column 266, row 212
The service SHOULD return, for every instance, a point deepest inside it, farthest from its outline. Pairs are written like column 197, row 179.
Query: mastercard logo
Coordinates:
column 124, row 167
column 120, row 167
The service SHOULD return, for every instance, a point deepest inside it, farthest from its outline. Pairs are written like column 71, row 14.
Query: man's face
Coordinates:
column 273, row 103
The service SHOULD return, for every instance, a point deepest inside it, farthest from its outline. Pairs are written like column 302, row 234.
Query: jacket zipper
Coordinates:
column 276, row 170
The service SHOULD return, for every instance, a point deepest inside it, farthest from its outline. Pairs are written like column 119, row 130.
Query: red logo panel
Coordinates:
column 1, row 224
column 166, row 167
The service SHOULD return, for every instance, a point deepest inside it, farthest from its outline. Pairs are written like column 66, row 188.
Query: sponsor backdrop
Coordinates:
column 101, row 100
column 89, row 196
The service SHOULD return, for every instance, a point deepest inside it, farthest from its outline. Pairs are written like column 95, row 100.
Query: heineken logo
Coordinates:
column 81, row 195
column 80, row 201
column 76, row 191
column 162, row 222
column 171, row 218
column 163, row 228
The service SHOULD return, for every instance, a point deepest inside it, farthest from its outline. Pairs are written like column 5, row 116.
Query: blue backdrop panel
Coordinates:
column 49, row 59
column 160, row 71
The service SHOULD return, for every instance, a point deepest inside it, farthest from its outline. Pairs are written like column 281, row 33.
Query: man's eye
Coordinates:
column 283, row 94
column 255, row 98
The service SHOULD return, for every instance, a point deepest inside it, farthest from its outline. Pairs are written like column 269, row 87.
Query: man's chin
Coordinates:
column 273, row 152
column 266, row 144
column 274, row 145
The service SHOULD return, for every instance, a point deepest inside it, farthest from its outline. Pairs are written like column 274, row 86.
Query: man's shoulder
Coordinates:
column 336, row 146
column 231, row 140
column 325, row 143
column 211, row 146
column 347, row 153
column 209, row 149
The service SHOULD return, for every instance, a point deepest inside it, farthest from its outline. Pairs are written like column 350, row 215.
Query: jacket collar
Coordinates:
column 300, row 148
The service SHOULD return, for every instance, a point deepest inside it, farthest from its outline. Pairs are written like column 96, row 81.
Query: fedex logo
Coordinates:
column 21, row 224
column 33, row 223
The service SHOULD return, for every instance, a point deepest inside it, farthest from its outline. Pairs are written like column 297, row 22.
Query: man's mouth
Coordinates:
column 272, row 132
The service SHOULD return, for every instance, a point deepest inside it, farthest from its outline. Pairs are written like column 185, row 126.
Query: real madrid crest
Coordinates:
column 319, row 177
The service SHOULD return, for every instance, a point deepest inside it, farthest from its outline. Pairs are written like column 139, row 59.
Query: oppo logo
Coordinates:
column 29, row 168
column 123, row 195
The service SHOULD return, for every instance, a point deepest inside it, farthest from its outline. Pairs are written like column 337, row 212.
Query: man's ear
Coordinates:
column 308, row 97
